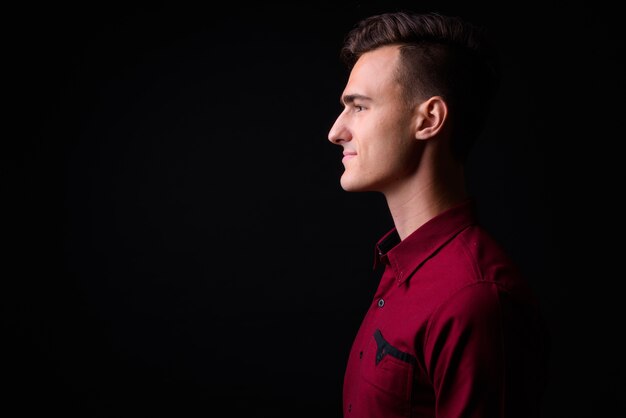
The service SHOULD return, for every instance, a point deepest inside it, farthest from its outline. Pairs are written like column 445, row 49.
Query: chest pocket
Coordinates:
column 388, row 368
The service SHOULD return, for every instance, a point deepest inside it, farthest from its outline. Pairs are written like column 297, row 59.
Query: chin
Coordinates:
column 352, row 186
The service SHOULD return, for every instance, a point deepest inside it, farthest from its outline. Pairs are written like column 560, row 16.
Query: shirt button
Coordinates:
column 381, row 302
column 361, row 354
column 350, row 408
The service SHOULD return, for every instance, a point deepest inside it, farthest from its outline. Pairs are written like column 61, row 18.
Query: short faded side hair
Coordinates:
column 440, row 56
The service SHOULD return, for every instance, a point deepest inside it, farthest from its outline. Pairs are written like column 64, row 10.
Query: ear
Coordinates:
column 430, row 118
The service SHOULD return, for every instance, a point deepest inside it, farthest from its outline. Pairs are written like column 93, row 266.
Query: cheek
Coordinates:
column 398, row 153
column 387, row 136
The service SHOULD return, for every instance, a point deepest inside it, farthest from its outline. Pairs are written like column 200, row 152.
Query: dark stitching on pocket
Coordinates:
column 384, row 348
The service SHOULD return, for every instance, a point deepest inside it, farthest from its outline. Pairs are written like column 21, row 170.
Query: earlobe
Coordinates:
column 431, row 116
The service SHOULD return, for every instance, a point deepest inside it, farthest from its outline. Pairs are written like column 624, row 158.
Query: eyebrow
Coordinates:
column 350, row 98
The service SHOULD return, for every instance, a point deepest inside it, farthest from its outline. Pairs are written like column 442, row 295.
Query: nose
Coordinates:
column 339, row 132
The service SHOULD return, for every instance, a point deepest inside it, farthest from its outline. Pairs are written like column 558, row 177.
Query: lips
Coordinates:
column 348, row 155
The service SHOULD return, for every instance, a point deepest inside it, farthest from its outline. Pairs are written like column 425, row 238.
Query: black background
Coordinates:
column 176, row 239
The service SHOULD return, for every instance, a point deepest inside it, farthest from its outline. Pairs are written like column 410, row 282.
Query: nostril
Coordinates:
column 338, row 136
column 334, row 137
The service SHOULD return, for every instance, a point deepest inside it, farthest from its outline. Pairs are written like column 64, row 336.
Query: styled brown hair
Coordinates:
column 440, row 55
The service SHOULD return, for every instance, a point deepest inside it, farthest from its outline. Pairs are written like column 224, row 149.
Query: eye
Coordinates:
column 358, row 108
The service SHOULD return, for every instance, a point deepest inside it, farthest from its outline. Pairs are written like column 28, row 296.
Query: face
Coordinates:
column 376, row 127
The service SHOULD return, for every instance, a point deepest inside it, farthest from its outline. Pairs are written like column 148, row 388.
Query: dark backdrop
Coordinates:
column 176, row 239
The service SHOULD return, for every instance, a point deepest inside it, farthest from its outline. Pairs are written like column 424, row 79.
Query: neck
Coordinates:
column 426, row 194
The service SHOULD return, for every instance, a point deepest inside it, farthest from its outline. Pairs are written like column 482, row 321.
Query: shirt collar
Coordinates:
column 406, row 256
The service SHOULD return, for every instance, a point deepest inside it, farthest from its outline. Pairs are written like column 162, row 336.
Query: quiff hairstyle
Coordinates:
column 440, row 56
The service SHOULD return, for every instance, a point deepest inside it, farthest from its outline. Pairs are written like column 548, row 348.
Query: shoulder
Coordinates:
column 484, row 284
column 478, row 257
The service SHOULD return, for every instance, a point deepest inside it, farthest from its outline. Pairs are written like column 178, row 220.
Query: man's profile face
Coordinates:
column 376, row 126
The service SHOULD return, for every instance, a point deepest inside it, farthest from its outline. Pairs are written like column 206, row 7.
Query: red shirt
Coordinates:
column 453, row 329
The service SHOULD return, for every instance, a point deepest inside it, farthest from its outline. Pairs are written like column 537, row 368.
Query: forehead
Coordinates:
column 374, row 71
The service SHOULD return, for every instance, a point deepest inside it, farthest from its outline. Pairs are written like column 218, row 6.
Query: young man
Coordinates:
column 453, row 329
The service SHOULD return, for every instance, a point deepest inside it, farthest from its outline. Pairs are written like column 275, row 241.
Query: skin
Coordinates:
column 394, row 147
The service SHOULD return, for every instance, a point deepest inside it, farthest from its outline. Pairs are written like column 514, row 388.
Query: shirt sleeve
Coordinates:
column 477, row 357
